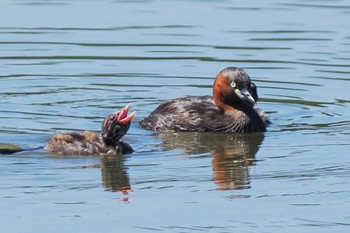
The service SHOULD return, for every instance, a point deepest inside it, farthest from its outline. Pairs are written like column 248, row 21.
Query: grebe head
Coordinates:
column 115, row 125
column 233, row 87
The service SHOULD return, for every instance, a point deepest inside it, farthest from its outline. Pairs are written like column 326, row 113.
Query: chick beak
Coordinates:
column 123, row 115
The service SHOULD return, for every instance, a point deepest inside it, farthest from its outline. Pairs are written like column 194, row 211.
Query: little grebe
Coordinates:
column 108, row 142
column 231, row 109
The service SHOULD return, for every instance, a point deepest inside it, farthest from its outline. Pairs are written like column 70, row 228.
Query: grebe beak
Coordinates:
column 245, row 95
column 122, row 115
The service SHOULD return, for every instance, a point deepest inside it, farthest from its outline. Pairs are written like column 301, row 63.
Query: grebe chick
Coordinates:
column 108, row 142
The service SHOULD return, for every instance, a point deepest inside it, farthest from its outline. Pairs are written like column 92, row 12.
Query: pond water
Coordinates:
column 66, row 64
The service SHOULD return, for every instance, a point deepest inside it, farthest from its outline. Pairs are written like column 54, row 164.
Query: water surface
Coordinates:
column 65, row 65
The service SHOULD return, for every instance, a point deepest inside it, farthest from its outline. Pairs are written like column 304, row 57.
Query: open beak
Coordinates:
column 245, row 95
column 122, row 115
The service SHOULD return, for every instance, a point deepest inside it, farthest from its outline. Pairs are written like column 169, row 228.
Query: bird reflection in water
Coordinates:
column 114, row 176
column 232, row 154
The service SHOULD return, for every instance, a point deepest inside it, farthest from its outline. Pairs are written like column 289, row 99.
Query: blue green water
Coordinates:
column 65, row 65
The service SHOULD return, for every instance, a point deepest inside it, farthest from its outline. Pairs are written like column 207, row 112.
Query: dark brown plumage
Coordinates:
column 231, row 109
column 108, row 142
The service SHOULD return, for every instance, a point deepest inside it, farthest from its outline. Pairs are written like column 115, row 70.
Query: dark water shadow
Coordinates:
column 232, row 154
column 6, row 148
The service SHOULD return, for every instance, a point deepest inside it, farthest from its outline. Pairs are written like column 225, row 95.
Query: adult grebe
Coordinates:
column 231, row 109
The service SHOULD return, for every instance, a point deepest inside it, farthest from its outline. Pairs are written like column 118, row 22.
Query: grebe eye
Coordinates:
column 233, row 84
column 112, row 118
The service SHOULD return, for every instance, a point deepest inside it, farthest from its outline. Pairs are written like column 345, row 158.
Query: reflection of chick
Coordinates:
column 114, row 175
column 114, row 127
column 232, row 153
